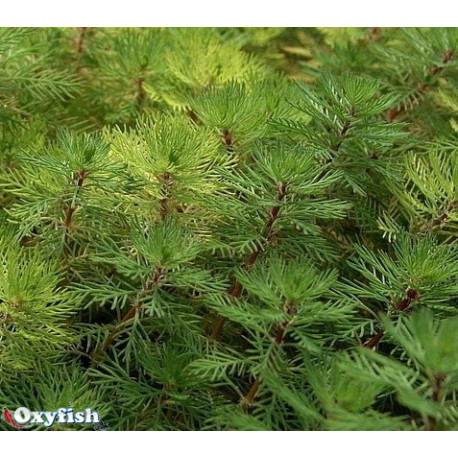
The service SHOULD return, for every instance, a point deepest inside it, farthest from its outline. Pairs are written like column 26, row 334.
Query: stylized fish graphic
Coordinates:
column 8, row 418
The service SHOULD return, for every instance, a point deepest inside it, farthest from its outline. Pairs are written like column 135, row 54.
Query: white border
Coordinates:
column 166, row 13
column 231, row 444
column 228, row 13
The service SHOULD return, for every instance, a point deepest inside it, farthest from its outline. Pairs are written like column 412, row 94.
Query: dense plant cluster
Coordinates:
column 247, row 228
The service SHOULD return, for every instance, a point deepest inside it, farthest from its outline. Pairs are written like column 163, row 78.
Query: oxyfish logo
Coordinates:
column 24, row 418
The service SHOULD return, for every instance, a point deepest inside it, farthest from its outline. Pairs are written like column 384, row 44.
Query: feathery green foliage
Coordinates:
column 230, row 229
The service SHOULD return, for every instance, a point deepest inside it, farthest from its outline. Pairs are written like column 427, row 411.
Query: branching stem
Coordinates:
column 279, row 339
column 79, row 44
column 228, row 140
column 404, row 304
column 393, row 113
column 437, row 387
column 155, row 280
column 236, row 288
column 167, row 183
column 70, row 211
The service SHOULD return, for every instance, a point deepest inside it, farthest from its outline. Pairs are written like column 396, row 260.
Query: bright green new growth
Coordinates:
column 249, row 229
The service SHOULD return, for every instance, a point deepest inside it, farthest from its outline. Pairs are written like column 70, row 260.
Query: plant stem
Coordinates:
column 437, row 388
column 393, row 113
column 442, row 218
column 80, row 40
column 69, row 212
column 405, row 303
column 249, row 398
column 227, row 140
column 279, row 339
column 156, row 279
column 236, row 288
column 373, row 33
column 342, row 134
column 167, row 183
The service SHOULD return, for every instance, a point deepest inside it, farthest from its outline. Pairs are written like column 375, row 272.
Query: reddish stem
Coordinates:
column 405, row 303
column 253, row 391
column 227, row 140
column 236, row 288
column 70, row 211
column 141, row 93
column 136, row 308
column 167, row 183
column 437, row 388
column 393, row 113
column 279, row 339
column 80, row 40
